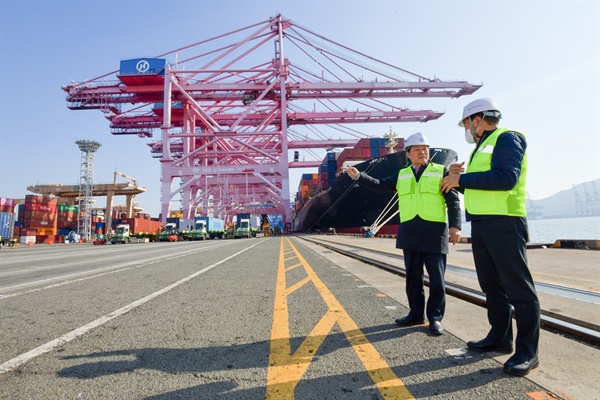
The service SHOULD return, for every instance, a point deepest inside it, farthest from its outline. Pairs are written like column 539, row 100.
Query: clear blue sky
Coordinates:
column 539, row 60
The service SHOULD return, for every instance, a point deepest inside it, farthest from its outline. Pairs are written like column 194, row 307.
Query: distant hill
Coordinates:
column 582, row 199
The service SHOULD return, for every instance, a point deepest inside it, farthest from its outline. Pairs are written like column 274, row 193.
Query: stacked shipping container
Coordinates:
column 43, row 220
column 333, row 163
column 8, row 228
column 327, row 171
column 67, row 218
column 40, row 213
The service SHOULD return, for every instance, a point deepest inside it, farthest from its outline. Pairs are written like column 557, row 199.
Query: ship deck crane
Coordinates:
column 236, row 114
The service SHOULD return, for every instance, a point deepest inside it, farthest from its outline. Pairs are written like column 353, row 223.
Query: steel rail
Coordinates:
column 579, row 329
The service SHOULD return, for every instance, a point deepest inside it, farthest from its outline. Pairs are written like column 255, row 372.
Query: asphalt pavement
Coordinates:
column 262, row 318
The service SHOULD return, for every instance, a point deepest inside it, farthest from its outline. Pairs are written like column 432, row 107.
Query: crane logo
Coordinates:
column 142, row 66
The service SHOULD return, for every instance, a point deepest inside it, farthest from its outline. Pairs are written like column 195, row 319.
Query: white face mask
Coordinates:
column 468, row 137
column 471, row 132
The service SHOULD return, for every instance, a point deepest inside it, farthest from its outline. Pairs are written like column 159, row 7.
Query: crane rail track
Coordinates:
column 578, row 329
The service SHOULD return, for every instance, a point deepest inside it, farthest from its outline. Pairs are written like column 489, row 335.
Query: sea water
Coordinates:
column 550, row 230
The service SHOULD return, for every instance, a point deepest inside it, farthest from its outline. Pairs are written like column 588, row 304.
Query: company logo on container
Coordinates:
column 142, row 66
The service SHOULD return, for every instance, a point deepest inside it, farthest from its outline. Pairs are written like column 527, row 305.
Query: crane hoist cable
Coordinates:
column 377, row 224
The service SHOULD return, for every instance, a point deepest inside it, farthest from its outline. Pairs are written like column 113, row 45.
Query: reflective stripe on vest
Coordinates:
column 495, row 202
column 423, row 198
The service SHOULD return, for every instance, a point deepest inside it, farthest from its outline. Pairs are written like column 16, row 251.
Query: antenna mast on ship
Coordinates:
column 390, row 141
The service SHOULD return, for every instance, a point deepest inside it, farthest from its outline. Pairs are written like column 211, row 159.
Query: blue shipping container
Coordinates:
column 7, row 223
column 374, row 152
column 182, row 224
column 276, row 220
column 377, row 142
column 212, row 224
column 143, row 66
column 253, row 219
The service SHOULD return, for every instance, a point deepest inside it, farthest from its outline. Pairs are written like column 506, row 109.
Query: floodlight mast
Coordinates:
column 86, row 187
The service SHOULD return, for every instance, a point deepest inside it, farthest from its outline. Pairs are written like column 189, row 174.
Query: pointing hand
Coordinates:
column 352, row 172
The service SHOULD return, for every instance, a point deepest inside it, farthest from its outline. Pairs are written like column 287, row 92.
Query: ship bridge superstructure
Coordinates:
column 230, row 109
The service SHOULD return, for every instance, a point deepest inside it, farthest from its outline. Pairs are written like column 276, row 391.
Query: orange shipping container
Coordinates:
column 44, row 231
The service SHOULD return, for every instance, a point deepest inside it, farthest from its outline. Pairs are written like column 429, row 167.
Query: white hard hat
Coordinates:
column 480, row 105
column 416, row 139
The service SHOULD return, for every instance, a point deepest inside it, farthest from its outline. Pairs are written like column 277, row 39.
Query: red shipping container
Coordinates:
column 33, row 198
column 362, row 143
column 140, row 225
column 32, row 223
column 52, row 201
column 41, row 207
column 72, row 225
column 47, row 239
column 40, row 215
column 8, row 209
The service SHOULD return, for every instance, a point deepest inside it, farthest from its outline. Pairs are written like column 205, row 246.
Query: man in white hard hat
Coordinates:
column 495, row 195
column 423, row 233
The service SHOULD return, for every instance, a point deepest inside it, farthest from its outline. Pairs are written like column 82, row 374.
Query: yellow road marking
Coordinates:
column 286, row 369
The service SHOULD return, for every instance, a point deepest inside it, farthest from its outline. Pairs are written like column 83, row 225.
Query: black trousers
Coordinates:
column 436, row 267
column 500, row 254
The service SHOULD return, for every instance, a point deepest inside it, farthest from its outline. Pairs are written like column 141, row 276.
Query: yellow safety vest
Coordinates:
column 423, row 198
column 495, row 202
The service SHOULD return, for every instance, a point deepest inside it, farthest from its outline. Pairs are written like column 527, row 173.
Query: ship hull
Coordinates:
column 350, row 208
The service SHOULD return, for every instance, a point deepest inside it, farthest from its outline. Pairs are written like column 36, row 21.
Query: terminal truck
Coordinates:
column 176, row 229
column 134, row 230
column 213, row 227
column 246, row 225
column 198, row 232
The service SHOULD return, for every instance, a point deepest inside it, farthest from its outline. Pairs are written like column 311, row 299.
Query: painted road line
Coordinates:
column 45, row 348
column 99, row 272
column 286, row 369
column 110, row 270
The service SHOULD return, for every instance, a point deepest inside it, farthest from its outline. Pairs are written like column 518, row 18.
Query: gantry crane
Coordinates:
column 234, row 105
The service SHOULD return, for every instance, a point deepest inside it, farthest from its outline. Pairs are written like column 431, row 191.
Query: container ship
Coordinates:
column 331, row 200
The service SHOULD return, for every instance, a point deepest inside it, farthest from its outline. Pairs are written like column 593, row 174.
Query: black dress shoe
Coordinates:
column 436, row 327
column 490, row 345
column 410, row 320
column 521, row 365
